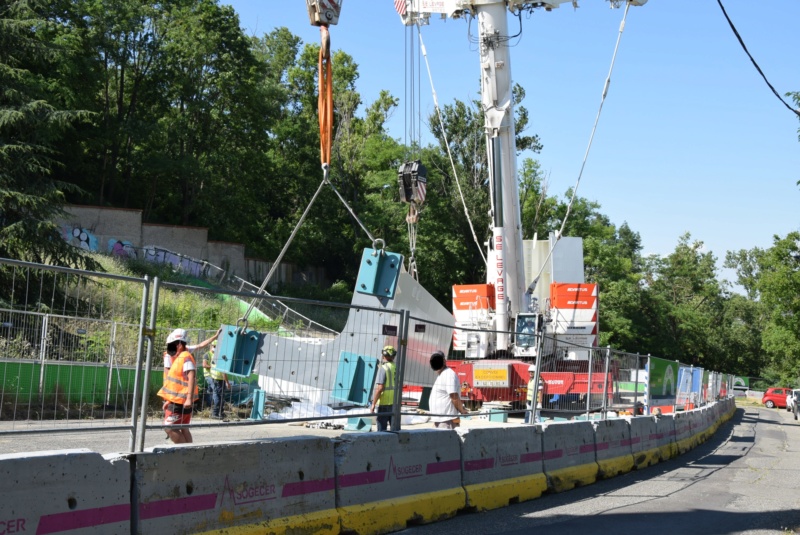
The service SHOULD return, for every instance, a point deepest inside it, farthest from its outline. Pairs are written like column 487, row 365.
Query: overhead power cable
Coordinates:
column 744, row 47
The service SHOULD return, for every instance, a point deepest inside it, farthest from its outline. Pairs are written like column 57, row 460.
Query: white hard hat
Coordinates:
column 532, row 368
column 178, row 335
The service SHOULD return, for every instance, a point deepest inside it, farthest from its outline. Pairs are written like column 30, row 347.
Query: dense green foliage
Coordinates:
column 170, row 108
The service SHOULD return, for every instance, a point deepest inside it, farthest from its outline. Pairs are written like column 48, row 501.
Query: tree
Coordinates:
column 778, row 287
column 684, row 305
column 31, row 126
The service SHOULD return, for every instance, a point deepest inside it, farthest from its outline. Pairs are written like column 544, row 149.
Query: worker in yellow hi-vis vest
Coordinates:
column 384, row 388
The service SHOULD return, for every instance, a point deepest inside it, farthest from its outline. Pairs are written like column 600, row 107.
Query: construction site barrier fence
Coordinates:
column 82, row 350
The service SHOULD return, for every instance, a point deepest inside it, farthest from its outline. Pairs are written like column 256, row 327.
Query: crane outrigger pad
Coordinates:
column 378, row 273
column 236, row 351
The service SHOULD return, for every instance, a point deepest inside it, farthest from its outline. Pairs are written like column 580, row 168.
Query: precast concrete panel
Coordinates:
column 501, row 465
column 282, row 485
column 76, row 491
column 612, row 439
column 311, row 373
column 644, row 441
column 385, row 480
column 569, row 455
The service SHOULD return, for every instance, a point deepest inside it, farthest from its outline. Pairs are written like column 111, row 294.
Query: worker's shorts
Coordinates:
column 177, row 415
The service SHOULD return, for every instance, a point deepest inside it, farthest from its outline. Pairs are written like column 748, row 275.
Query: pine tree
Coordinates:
column 30, row 128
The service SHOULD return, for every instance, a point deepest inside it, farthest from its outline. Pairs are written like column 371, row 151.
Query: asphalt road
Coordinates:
column 744, row 480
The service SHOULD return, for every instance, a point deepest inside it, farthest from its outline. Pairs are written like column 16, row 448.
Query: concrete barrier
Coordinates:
column 569, row 455
column 643, row 442
column 684, row 439
column 665, row 437
column 706, row 423
column 272, row 486
column 502, row 465
column 613, row 451
column 68, row 490
column 386, row 480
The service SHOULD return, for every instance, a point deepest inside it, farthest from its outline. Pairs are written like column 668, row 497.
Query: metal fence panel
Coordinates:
column 68, row 347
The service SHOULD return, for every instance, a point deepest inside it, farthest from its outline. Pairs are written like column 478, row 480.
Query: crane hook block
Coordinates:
column 236, row 351
column 324, row 12
column 379, row 272
column 413, row 180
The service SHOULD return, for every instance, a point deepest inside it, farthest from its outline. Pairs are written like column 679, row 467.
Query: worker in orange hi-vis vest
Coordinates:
column 180, row 388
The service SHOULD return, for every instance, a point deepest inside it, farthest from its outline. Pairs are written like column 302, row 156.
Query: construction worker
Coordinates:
column 216, row 383
column 532, row 412
column 383, row 398
column 180, row 387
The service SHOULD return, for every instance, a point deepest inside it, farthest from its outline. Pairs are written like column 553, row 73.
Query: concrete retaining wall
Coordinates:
column 121, row 232
column 502, row 465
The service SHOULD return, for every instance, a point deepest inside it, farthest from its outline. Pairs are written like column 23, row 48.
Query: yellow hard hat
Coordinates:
column 389, row 351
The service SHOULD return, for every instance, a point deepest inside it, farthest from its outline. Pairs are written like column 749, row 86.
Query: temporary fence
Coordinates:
column 70, row 345
column 82, row 350
column 334, row 318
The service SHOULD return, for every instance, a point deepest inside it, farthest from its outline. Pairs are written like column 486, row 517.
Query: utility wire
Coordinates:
column 744, row 47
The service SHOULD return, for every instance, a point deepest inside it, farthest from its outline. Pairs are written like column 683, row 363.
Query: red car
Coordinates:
column 776, row 397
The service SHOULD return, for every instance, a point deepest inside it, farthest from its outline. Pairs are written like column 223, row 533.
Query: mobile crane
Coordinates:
column 507, row 316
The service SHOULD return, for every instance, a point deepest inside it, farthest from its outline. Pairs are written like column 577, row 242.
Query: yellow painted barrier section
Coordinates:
column 686, row 444
column 614, row 467
column 320, row 522
column 668, row 451
column 496, row 494
column 394, row 514
column 568, row 478
column 643, row 459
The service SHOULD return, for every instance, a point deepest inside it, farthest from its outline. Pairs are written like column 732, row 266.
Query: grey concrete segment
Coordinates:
column 684, row 438
column 613, row 450
column 50, row 492
column 568, row 444
column 192, row 489
column 643, row 440
column 373, row 467
column 316, row 361
column 501, row 453
column 665, row 436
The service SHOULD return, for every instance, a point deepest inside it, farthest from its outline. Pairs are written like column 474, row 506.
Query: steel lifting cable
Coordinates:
column 589, row 146
column 447, row 144
column 325, row 110
column 411, row 221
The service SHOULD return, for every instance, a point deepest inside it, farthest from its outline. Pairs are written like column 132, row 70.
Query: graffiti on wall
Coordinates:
column 186, row 264
column 121, row 248
column 79, row 237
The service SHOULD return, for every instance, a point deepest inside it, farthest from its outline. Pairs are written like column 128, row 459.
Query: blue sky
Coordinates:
column 691, row 139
